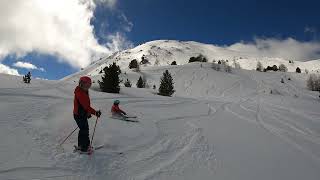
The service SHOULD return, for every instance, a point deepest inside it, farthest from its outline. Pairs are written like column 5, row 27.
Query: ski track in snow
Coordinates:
column 169, row 148
column 166, row 144
column 288, row 133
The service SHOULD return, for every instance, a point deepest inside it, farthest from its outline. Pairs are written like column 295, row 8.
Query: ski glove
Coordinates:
column 98, row 113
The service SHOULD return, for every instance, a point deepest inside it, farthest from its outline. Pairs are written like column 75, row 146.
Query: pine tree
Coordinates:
column 269, row 68
column 313, row 82
column 144, row 60
column 157, row 62
column 298, row 70
column 259, row 66
column 110, row 80
column 133, row 64
column 275, row 68
column 283, row 68
column 199, row 58
column 141, row 83
column 166, row 85
column 127, row 83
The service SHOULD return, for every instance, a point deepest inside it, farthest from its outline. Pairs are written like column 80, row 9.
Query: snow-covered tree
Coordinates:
column 283, row 68
column 236, row 64
column 157, row 62
column 259, row 66
column 275, row 68
column 199, row 58
column 313, row 82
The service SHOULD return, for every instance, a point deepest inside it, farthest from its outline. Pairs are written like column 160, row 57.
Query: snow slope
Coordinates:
column 164, row 52
column 217, row 126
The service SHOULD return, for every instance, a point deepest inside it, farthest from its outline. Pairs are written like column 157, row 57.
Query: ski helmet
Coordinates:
column 85, row 80
column 116, row 102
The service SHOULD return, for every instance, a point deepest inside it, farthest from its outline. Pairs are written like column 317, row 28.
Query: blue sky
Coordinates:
column 216, row 22
column 220, row 22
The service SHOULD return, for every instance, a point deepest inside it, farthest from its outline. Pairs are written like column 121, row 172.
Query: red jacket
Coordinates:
column 81, row 103
column 116, row 109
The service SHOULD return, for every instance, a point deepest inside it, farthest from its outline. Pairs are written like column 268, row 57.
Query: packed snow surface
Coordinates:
column 217, row 125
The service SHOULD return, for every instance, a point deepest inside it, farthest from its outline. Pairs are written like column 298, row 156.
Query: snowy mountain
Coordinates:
column 160, row 54
column 164, row 52
column 242, row 125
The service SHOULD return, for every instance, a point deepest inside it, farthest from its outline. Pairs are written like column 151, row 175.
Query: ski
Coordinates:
column 134, row 117
column 77, row 149
column 98, row 147
column 129, row 120
column 126, row 118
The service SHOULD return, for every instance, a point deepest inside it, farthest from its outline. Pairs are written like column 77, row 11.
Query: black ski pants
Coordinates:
column 83, row 136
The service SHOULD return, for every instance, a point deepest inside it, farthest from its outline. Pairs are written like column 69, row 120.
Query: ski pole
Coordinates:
column 68, row 136
column 94, row 130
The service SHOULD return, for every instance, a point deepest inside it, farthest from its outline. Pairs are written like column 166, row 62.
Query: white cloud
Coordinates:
column 309, row 29
column 118, row 42
column 7, row 70
column 126, row 25
column 55, row 27
column 287, row 48
column 41, row 78
column 108, row 3
column 27, row 65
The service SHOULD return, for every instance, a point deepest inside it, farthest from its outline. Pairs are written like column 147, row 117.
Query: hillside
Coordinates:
column 240, row 125
column 221, row 125
column 164, row 52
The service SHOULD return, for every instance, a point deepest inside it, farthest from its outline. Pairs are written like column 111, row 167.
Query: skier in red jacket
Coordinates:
column 82, row 111
column 116, row 111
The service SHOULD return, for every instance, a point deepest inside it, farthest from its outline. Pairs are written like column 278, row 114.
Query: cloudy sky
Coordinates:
column 54, row 38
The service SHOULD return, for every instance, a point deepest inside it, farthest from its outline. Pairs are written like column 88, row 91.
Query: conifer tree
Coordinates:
column 166, row 85
column 298, row 70
column 127, row 83
column 259, row 66
column 283, row 68
column 141, row 83
column 133, row 64
column 110, row 80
